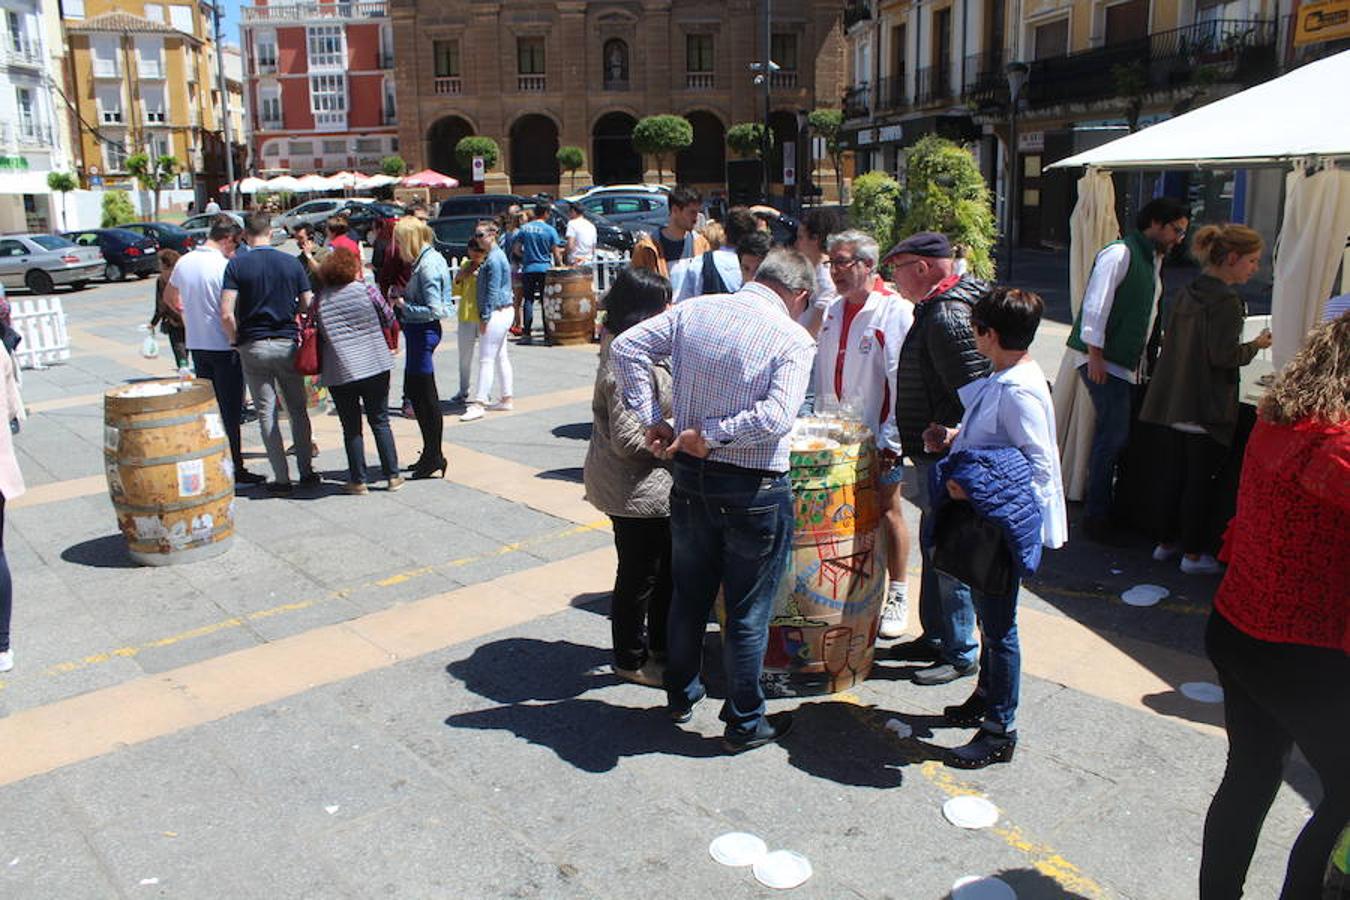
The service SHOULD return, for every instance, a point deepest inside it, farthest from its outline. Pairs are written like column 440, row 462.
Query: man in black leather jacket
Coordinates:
column 938, row 357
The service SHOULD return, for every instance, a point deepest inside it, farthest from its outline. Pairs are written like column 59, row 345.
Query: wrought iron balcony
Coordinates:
column 857, row 101
column 892, row 94
column 855, row 12
column 932, row 86
column 983, row 79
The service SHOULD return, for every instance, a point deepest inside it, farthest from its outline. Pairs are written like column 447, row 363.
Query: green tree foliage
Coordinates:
column 661, row 136
column 153, row 173
column 393, row 166
column 117, row 209
column 876, row 207
column 570, row 159
column 477, row 145
column 747, row 139
column 945, row 192
column 826, row 123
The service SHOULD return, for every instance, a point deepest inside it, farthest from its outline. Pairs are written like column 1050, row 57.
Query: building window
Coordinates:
column 1051, row 39
column 152, row 98
column 27, row 119
column 390, row 102
column 154, row 12
column 272, row 149
column 114, row 156
column 616, row 62
column 445, row 56
column 783, row 50
column 180, row 17
column 369, row 145
column 161, row 145
column 269, row 108
column 698, row 53
column 334, row 148
column 265, row 49
column 328, row 99
column 107, row 59
column 326, row 47
column 302, row 148
column 530, row 56
column 149, row 57
column 73, row 9
column 110, row 106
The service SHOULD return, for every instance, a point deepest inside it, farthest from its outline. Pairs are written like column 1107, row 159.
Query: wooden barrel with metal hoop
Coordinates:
column 569, row 305
column 169, row 470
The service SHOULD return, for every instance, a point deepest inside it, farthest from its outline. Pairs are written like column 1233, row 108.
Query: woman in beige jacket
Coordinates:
column 632, row 487
column 11, row 487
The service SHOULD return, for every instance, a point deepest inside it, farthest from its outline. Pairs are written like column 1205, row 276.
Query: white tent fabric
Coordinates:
column 1311, row 244
column 375, row 181
column 1287, row 118
column 1092, row 226
column 283, row 183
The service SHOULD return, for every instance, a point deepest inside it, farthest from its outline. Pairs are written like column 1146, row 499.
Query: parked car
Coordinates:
column 200, row 226
column 453, row 232
column 169, row 237
column 608, row 233
column 363, row 217
column 601, row 190
column 124, row 252
column 634, row 210
column 452, row 235
column 39, row 262
column 484, row 206
column 315, row 212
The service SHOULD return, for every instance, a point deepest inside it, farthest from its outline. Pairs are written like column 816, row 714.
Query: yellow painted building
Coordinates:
column 143, row 82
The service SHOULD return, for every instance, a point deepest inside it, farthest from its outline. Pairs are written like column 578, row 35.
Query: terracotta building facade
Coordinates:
column 538, row 75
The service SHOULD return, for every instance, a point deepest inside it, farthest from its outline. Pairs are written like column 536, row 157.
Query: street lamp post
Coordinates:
column 767, row 73
column 1017, row 73
column 224, row 108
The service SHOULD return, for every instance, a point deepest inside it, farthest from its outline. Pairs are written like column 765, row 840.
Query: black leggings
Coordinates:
column 421, row 390
column 1275, row 696
column 6, row 585
column 641, row 601
column 1192, row 524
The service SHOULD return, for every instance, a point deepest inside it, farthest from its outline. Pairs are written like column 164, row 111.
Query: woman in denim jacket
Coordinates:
column 426, row 300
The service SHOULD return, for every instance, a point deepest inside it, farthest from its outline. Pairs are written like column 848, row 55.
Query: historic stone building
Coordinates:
column 535, row 75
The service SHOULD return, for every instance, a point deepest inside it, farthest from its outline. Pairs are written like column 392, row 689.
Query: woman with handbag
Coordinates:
column 426, row 299
column 356, row 365
column 1009, row 410
column 169, row 318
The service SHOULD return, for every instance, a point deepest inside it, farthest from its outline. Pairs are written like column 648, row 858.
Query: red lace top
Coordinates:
column 1288, row 546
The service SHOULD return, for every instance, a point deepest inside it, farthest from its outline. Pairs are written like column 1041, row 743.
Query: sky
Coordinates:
column 230, row 25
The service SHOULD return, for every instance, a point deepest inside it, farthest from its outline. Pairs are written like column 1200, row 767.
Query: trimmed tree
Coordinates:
column 826, row 123
column 63, row 183
column 747, row 139
column 876, row 207
column 661, row 136
column 477, row 145
column 393, row 166
column 945, row 192
column 154, row 174
column 570, row 159
column 117, row 209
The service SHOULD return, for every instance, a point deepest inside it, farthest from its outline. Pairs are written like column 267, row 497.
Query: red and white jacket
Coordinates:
column 859, row 369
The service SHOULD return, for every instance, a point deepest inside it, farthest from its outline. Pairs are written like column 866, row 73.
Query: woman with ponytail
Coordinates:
column 1194, row 390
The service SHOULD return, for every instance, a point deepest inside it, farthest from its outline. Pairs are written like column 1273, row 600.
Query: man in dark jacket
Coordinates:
column 937, row 358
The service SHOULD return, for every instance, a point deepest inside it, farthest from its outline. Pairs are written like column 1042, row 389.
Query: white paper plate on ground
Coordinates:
column 1144, row 595
column 737, row 848
column 1202, row 692
column 782, row 869
column 982, row 887
column 970, row 812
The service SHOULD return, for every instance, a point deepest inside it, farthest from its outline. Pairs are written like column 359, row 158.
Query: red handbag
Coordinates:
column 309, row 356
column 385, row 312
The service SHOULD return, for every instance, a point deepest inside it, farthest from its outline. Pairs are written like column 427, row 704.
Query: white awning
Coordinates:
column 1296, row 116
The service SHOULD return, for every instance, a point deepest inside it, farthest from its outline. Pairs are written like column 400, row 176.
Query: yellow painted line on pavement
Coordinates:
column 42, row 406
column 95, row 659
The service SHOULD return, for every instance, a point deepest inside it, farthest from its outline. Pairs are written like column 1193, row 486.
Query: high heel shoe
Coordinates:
column 427, row 470
column 986, row 748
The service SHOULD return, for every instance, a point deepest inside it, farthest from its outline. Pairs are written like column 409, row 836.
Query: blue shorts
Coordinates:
column 894, row 475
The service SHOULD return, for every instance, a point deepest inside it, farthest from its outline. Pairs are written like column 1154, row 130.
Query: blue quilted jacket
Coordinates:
column 998, row 481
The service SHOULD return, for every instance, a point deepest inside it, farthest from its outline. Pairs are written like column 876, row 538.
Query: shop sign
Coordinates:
column 1031, row 142
column 867, row 136
column 13, row 162
column 891, row 134
column 1327, row 20
column 789, row 166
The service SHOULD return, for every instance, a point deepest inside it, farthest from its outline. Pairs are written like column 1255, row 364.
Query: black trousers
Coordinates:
column 1275, row 696
column 1199, row 459
column 426, row 401
column 642, row 585
column 532, row 289
column 373, row 394
column 226, row 374
column 6, row 586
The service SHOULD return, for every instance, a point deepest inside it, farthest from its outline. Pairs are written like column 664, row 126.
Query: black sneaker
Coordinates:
column 244, row 476
column 944, row 673
column 682, row 714
column 969, row 714
column 986, row 748
column 311, row 480
column 280, row 488
column 770, row 729
column 917, row 650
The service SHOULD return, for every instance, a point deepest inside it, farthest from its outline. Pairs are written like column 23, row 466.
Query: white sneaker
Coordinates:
column 1162, row 553
column 473, row 413
column 894, row 615
column 501, row 406
column 1204, row 565
column 6, row 660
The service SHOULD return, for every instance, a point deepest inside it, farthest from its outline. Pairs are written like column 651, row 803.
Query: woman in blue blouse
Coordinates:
column 426, row 300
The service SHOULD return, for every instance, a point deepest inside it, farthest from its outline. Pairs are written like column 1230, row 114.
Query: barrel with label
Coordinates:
column 569, row 305
column 169, row 470
column 828, row 608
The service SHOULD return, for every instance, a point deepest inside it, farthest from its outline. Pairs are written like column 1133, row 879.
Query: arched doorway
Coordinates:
column 613, row 159
column 783, row 125
column 442, row 137
column 534, row 151
column 705, row 160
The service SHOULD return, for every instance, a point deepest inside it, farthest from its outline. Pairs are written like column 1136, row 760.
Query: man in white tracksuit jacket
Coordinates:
column 856, row 360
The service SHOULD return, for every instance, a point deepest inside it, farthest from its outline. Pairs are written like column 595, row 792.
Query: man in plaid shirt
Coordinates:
column 740, row 364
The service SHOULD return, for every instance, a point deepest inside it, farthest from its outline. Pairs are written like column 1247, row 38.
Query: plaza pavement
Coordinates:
column 405, row 695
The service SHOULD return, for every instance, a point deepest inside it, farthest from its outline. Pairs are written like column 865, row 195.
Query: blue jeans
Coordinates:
column 226, row 374
column 1000, row 677
column 372, row 393
column 1111, row 402
column 946, row 611
column 733, row 531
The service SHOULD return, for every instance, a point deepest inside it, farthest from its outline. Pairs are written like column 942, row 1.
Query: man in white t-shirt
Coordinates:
column 195, row 288
column 580, row 237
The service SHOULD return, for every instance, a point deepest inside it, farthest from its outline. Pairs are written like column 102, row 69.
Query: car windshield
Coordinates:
column 51, row 242
column 172, row 231
column 454, row 231
column 124, row 235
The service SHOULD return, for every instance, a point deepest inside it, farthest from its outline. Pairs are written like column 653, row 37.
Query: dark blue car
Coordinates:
column 169, row 236
column 124, row 252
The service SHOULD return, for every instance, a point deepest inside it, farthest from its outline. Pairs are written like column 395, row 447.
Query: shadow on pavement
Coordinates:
column 576, row 431
column 109, row 552
column 572, row 473
column 1029, row 884
column 849, row 744
column 516, row 670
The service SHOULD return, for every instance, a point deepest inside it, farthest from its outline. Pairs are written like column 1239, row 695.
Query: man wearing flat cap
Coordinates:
column 937, row 358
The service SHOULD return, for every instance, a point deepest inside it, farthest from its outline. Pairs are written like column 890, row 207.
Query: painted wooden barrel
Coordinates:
column 569, row 305
column 169, row 470
column 828, row 609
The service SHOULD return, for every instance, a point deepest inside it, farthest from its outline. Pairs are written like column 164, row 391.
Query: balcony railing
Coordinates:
column 150, row 68
column 448, row 85
column 267, row 68
column 700, row 81
column 933, row 85
column 783, row 80
column 892, row 94
column 330, row 121
column 303, row 12
column 1232, row 50
column 327, row 61
column 271, row 124
column 857, row 101
column 531, row 84
column 22, row 53
column 107, row 68
column 855, row 12
column 27, row 133
column 983, row 79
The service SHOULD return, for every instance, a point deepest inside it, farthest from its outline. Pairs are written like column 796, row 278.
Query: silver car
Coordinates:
column 316, row 213
column 39, row 262
column 199, row 226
